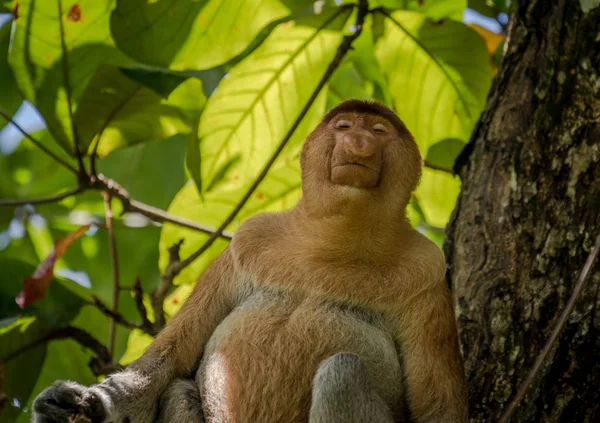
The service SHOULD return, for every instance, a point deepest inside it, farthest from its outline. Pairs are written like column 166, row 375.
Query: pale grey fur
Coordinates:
column 181, row 403
column 343, row 392
column 133, row 395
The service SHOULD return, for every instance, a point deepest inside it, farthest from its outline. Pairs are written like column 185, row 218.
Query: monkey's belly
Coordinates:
column 260, row 362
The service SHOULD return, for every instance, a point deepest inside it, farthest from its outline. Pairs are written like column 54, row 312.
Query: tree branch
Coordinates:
column 114, row 262
column 114, row 315
column 175, row 267
column 42, row 200
column 101, row 182
column 156, row 214
column 162, row 216
column 100, row 365
column 36, row 142
column 556, row 331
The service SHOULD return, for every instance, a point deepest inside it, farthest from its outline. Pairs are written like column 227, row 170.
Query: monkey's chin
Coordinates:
column 355, row 176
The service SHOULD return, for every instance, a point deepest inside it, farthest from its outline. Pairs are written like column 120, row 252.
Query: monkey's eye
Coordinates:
column 379, row 127
column 343, row 124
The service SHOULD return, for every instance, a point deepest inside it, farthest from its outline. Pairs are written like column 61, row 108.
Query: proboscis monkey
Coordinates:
column 334, row 311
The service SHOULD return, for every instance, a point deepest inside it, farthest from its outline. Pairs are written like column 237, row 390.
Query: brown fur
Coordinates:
column 342, row 272
column 338, row 246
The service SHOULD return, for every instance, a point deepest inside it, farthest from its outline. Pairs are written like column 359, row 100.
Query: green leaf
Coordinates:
column 363, row 57
column 347, row 83
column 20, row 376
column 56, row 48
column 20, row 335
column 7, row 6
column 439, row 75
column 28, row 172
column 154, row 171
column 198, row 42
column 491, row 8
column 435, row 9
column 437, row 194
column 10, row 98
column 280, row 190
column 443, row 154
column 192, row 157
column 254, row 107
column 118, row 112
column 137, row 343
column 210, row 78
column 22, row 352
column 161, row 82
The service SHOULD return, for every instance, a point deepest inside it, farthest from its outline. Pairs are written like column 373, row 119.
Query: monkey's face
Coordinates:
column 359, row 142
column 360, row 152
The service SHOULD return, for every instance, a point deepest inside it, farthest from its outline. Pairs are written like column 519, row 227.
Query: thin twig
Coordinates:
column 162, row 290
column 344, row 47
column 65, row 64
column 42, row 200
column 115, row 316
column 38, row 144
column 162, row 216
column 114, row 262
column 100, row 365
column 138, row 297
column 556, row 331
column 117, row 191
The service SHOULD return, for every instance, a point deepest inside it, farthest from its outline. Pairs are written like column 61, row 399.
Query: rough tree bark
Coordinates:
column 527, row 217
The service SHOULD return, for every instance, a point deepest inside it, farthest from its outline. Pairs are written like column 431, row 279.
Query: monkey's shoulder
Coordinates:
column 256, row 235
column 424, row 257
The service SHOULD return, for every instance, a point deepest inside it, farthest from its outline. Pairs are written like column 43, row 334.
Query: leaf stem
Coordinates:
column 42, row 200
column 114, row 261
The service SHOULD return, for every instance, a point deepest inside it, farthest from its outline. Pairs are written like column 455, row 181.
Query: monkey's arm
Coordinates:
column 133, row 393
column 435, row 382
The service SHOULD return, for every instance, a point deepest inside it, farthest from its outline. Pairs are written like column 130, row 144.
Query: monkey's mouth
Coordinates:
column 356, row 164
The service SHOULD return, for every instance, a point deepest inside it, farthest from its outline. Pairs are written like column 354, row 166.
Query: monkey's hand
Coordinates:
column 123, row 396
column 64, row 401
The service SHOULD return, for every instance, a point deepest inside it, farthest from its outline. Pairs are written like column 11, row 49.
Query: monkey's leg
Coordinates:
column 181, row 403
column 342, row 392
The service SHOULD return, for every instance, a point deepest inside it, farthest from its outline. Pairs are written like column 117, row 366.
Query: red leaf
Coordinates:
column 34, row 287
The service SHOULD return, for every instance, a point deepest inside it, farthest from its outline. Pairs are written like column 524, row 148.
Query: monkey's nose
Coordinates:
column 360, row 145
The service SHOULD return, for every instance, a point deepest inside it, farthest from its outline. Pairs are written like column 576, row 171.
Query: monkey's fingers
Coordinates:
column 58, row 403
column 79, row 418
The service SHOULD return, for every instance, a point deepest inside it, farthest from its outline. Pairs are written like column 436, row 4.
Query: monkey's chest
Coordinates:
column 260, row 361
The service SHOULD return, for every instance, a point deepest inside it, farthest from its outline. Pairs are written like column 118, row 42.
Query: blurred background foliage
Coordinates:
column 183, row 102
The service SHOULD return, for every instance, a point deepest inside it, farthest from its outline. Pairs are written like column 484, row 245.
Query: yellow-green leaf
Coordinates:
column 438, row 90
column 208, row 32
column 437, row 194
column 56, row 48
column 258, row 102
column 118, row 112
column 280, row 190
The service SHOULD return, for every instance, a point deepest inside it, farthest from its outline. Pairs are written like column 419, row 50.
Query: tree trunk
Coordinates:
column 527, row 217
